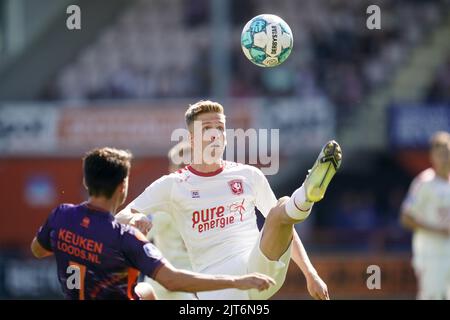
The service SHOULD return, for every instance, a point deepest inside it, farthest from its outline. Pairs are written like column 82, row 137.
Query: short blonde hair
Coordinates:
column 203, row 106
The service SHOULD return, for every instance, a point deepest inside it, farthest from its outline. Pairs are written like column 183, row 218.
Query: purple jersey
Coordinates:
column 109, row 255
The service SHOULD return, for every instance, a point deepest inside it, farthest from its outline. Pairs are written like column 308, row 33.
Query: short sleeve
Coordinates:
column 141, row 254
column 156, row 197
column 265, row 198
column 44, row 232
column 415, row 199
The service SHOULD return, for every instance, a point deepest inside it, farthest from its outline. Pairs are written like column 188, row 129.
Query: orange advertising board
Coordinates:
column 347, row 276
column 31, row 188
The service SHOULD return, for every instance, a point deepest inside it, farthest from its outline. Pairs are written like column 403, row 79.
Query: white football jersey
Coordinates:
column 428, row 200
column 214, row 212
column 165, row 235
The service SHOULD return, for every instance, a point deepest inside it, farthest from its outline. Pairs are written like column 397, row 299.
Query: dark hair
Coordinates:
column 104, row 169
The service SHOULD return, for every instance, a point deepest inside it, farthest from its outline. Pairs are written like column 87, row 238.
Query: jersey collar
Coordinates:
column 97, row 210
column 207, row 174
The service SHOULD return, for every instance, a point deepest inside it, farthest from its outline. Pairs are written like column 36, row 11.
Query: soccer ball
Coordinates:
column 267, row 40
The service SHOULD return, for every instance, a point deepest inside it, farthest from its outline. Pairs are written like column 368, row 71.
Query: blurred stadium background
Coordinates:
column 126, row 77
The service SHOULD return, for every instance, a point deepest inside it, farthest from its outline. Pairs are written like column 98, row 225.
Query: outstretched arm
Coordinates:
column 146, row 258
column 181, row 280
column 316, row 286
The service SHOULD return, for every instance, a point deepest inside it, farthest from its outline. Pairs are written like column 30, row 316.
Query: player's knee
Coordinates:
column 277, row 214
column 145, row 291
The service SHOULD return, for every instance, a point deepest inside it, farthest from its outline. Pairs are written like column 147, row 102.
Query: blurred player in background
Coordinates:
column 426, row 211
column 166, row 236
column 213, row 204
column 107, row 254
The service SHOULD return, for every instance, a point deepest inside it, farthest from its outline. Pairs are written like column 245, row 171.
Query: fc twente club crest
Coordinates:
column 236, row 186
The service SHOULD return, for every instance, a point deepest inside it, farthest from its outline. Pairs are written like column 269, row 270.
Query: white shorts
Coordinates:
column 253, row 261
column 433, row 277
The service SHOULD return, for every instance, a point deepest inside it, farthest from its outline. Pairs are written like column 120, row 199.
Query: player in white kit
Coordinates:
column 166, row 236
column 426, row 211
column 213, row 202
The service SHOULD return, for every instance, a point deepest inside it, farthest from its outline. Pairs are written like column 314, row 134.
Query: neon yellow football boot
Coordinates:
column 324, row 169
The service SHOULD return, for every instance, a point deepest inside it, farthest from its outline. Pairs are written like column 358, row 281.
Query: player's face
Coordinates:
column 440, row 158
column 212, row 135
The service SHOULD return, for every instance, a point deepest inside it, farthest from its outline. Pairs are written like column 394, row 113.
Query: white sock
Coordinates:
column 298, row 208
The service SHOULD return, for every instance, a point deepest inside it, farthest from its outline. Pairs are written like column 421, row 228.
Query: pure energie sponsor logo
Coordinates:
column 211, row 218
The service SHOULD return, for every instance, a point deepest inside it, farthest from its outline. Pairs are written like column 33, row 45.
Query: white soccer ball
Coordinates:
column 267, row 40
